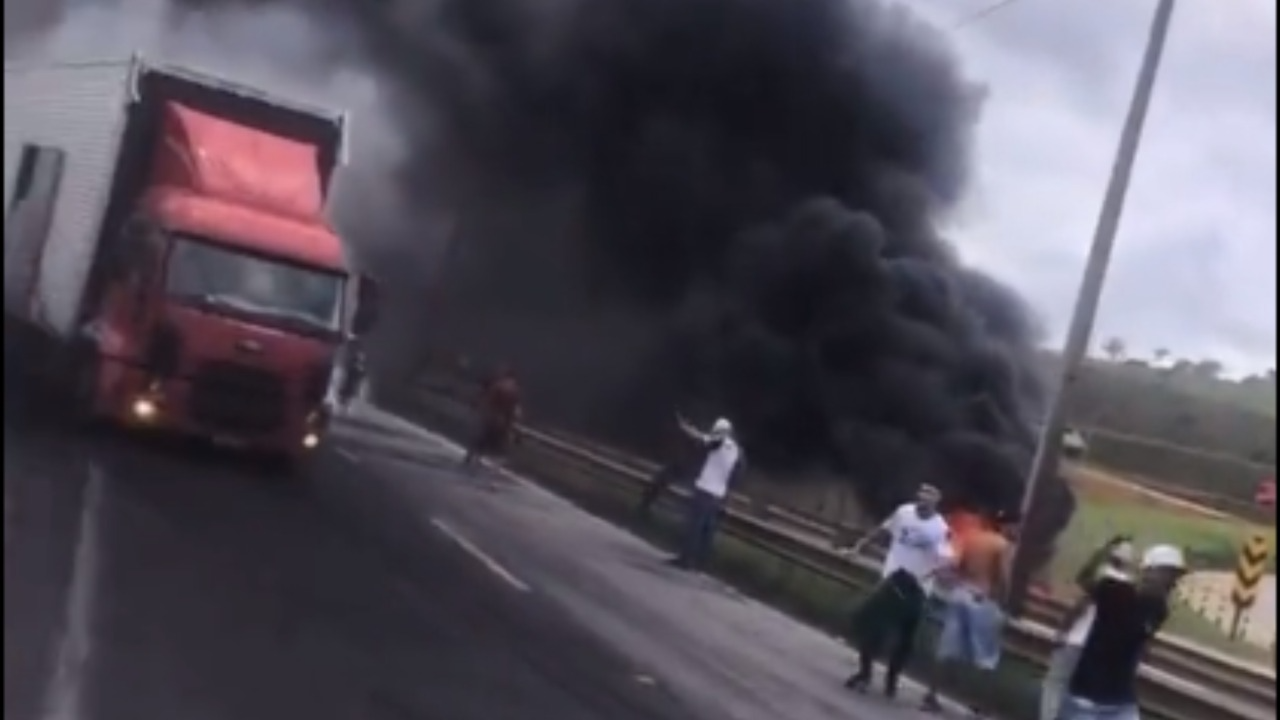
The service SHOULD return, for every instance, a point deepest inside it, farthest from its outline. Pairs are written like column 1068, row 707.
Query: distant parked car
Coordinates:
column 1074, row 446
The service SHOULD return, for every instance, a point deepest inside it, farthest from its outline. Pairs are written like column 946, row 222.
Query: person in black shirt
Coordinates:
column 1127, row 616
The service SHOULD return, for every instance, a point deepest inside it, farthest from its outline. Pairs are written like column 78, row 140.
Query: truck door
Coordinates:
column 38, row 176
column 131, row 275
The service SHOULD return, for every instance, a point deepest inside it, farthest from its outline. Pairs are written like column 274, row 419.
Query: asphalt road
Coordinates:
column 151, row 584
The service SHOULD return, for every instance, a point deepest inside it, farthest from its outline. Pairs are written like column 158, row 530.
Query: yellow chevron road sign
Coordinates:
column 1250, row 569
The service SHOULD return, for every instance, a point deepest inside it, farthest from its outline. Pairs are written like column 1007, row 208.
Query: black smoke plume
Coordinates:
column 723, row 204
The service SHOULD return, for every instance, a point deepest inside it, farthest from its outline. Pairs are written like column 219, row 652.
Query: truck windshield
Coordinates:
column 223, row 279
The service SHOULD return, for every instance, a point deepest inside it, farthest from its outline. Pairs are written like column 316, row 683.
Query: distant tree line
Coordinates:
column 1176, row 423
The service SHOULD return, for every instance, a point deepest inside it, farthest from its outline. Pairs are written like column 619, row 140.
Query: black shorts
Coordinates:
column 898, row 600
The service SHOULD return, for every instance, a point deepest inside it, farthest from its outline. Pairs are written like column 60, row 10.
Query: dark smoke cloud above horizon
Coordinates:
column 723, row 204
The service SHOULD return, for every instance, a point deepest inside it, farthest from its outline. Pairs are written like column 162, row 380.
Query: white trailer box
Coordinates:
column 63, row 126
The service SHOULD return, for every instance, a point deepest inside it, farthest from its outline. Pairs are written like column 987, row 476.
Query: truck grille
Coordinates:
column 237, row 398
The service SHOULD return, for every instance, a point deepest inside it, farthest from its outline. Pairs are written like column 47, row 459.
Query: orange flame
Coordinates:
column 964, row 525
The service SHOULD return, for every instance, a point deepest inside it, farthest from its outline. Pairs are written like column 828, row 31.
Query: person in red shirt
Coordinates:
column 499, row 411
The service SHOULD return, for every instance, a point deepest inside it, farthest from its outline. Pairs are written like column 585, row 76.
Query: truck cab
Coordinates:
column 226, row 296
column 168, row 258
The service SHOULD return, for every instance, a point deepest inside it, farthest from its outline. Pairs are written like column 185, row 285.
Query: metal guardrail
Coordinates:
column 1178, row 682
column 1169, row 651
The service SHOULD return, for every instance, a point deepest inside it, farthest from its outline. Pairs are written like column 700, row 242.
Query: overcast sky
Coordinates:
column 1195, row 265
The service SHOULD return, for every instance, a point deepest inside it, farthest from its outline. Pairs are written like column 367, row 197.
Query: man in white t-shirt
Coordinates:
column 918, row 547
column 1114, row 560
column 709, row 490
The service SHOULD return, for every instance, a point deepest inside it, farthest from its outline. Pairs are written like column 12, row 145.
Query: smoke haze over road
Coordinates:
column 729, row 205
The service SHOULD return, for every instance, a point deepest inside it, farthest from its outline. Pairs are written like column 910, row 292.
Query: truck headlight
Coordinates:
column 144, row 408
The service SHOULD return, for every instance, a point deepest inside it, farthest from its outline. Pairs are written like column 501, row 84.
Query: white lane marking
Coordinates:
column 489, row 563
column 349, row 456
column 64, row 694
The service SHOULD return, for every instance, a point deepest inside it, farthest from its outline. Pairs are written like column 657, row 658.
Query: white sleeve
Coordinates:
column 943, row 547
column 894, row 522
column 945, row 552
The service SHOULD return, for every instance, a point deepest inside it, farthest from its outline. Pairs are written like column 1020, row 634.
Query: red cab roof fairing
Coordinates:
column 242, row 186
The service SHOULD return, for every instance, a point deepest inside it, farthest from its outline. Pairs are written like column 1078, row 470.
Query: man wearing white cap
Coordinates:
column 1126, row 616
column 1116, row 560
column 709, row 490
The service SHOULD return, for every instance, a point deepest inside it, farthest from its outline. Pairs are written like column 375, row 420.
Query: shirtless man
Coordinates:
column 972, row 625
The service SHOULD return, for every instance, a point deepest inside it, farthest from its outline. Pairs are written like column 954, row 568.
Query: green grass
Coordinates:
column 1210, row 543
column 1190, row 625
column 1011, row 692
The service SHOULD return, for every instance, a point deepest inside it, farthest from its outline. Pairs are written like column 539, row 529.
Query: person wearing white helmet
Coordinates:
column 1127, row 615
column 709, row 490
column 1116, row 559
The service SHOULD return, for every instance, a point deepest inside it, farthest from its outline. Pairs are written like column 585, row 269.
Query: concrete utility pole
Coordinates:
column 1047, row 455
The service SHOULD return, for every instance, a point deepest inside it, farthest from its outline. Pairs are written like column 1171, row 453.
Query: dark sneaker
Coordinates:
column 891, row 686
column 858, row 682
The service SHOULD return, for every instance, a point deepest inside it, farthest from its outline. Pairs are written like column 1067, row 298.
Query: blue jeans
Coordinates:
column 1074, row 708
column 1057, row 678
column 971, row 631
column 704, row 516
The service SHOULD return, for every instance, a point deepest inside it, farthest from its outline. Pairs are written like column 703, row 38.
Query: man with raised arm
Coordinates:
column 1116, row 559
column 1127, row 615
column 709, row 490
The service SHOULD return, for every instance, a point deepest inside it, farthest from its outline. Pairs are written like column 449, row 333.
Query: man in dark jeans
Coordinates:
column 709, row 491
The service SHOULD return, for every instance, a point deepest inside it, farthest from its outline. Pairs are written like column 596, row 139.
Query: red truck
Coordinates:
column 167, row 256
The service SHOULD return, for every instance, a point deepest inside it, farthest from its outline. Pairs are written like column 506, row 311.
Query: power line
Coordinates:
column 982, row 14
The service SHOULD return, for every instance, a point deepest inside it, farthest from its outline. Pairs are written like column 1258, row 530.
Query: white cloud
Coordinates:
column 1195, row 265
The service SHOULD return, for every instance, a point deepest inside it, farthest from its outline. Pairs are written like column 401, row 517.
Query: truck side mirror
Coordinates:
column 366, row 312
